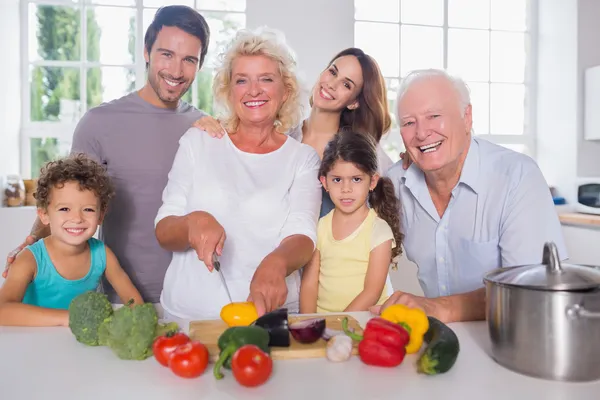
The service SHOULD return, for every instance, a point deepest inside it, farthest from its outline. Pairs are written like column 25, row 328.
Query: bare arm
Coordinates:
column 379, row 264
column 463, row 307
column 172, row 233
column 455, row 308
column 198, row 230
column 12, row 311
column 120, row 281
column 293, row 252
column 268, row 289
column 39, row 230
column 309, row 288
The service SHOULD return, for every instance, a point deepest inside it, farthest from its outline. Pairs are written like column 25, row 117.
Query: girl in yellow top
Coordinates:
column 358, row 239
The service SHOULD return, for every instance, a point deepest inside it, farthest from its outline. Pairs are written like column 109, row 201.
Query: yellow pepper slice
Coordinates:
column 239, row 314
column 413, row 318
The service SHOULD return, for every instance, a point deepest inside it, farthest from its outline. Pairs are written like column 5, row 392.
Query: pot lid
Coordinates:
column 550, row 275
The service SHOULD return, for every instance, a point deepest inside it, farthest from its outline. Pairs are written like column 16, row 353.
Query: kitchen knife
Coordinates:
column 217, row 266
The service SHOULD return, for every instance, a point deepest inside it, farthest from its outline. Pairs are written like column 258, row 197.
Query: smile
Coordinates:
column 172, row 83
column 324, row 94
column 75, row 231
column 428, row 148
column 255, row 104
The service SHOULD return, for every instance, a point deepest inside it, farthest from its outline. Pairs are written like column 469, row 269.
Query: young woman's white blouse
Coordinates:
column 259, row 199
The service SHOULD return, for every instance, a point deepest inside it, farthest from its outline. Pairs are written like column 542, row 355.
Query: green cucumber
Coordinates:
column 441, row 351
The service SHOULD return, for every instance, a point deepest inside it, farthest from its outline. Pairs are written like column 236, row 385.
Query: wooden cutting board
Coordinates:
column 208, row 332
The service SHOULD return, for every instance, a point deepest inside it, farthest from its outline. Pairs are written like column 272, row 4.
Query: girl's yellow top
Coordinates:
column 344, row 262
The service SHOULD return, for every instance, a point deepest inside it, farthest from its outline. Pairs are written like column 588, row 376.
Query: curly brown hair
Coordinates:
column 360, row 149
column 74, row 168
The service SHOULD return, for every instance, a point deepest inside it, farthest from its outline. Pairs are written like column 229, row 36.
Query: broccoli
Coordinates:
column 87, row 313
column 130, row 331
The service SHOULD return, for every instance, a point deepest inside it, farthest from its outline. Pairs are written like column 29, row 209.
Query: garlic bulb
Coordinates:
column 339, row 348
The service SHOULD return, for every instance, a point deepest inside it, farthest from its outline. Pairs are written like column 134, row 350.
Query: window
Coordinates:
column 486, row 42
column 81, row 53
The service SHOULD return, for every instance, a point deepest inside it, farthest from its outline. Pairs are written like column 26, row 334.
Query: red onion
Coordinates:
column 308, row 330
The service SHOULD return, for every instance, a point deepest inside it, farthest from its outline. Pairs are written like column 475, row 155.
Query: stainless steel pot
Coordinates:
column 544, row 320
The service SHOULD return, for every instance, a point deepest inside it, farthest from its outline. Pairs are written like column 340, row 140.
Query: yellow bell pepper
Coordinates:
column 239, row 314
column 413, row 319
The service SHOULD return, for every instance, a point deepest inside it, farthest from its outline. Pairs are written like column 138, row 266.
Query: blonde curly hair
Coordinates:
column 260, row 42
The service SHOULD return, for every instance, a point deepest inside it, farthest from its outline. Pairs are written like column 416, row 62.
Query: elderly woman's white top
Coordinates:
column 259, row 199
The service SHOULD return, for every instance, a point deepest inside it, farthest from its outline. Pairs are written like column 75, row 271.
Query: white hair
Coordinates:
column 462, row 90
column 267, row 42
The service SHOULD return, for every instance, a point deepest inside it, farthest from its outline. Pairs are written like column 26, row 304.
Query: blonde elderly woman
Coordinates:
column 252, row 198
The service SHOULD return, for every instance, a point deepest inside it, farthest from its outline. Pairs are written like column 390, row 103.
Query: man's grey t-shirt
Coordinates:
column 137, row 142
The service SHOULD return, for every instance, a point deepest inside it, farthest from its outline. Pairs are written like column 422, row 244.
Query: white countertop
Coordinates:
column 47, row 363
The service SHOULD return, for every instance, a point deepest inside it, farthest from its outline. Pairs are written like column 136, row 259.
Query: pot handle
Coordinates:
column 578, row 311
column 550, row 258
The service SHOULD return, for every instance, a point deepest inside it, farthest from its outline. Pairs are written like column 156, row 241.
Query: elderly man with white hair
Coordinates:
column 468, row 205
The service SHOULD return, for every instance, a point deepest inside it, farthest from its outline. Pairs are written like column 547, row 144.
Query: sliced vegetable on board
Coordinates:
column 277, row 325
column 239, row 314
column 308, row 330
column 382, row 343
column 413, row 320
column 251, row 366
column 441, row 351
column 235, row 337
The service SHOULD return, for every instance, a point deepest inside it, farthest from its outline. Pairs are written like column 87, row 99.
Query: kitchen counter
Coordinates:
column 48, row 363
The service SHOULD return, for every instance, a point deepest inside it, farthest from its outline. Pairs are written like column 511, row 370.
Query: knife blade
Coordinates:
column 217, row 265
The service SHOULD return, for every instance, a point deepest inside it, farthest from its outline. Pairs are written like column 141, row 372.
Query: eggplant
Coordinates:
column 308, row 330
column 276, row 324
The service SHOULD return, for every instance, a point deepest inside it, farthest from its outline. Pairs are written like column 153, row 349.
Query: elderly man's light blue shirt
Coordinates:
column 500, row 214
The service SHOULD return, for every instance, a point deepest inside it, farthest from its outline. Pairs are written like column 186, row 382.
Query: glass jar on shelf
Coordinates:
column 14, row 191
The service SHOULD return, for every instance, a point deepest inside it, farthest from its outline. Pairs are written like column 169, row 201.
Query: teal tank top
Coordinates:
column 50, row 290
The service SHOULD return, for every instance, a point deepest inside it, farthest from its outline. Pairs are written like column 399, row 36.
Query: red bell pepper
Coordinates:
column 382, row 343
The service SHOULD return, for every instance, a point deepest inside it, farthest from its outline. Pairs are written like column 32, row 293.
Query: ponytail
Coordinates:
column 387, row 206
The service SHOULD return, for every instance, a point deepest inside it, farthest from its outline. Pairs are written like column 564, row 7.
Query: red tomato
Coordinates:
column 251, row 366
column 189, row 360
column 164, row 345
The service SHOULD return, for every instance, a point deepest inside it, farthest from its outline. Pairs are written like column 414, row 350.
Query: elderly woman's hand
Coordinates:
column 268, row 289
column 211, row 126
column 206, row 236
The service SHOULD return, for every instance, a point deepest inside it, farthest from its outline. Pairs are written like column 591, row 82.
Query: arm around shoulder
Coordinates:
column 12, row 310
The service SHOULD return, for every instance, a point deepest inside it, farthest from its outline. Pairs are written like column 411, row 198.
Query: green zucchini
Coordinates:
column 441, row 351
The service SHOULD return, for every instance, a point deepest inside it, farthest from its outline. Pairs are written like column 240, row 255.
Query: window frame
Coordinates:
column 528, row 138
column 63, row 131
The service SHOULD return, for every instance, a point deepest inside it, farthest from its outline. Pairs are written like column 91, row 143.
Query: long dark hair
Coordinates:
column 372, row 116
column 360, row 150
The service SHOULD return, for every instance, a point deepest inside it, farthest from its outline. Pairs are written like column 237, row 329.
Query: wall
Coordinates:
column 10, row 96
column 15, row 225
column 315, row 29
column 557, row 93
column 588, row 162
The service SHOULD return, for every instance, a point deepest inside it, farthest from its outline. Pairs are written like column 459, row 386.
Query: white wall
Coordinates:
column 588, row 152
column 315, row 29
column 10, row 95
column 557, row 94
